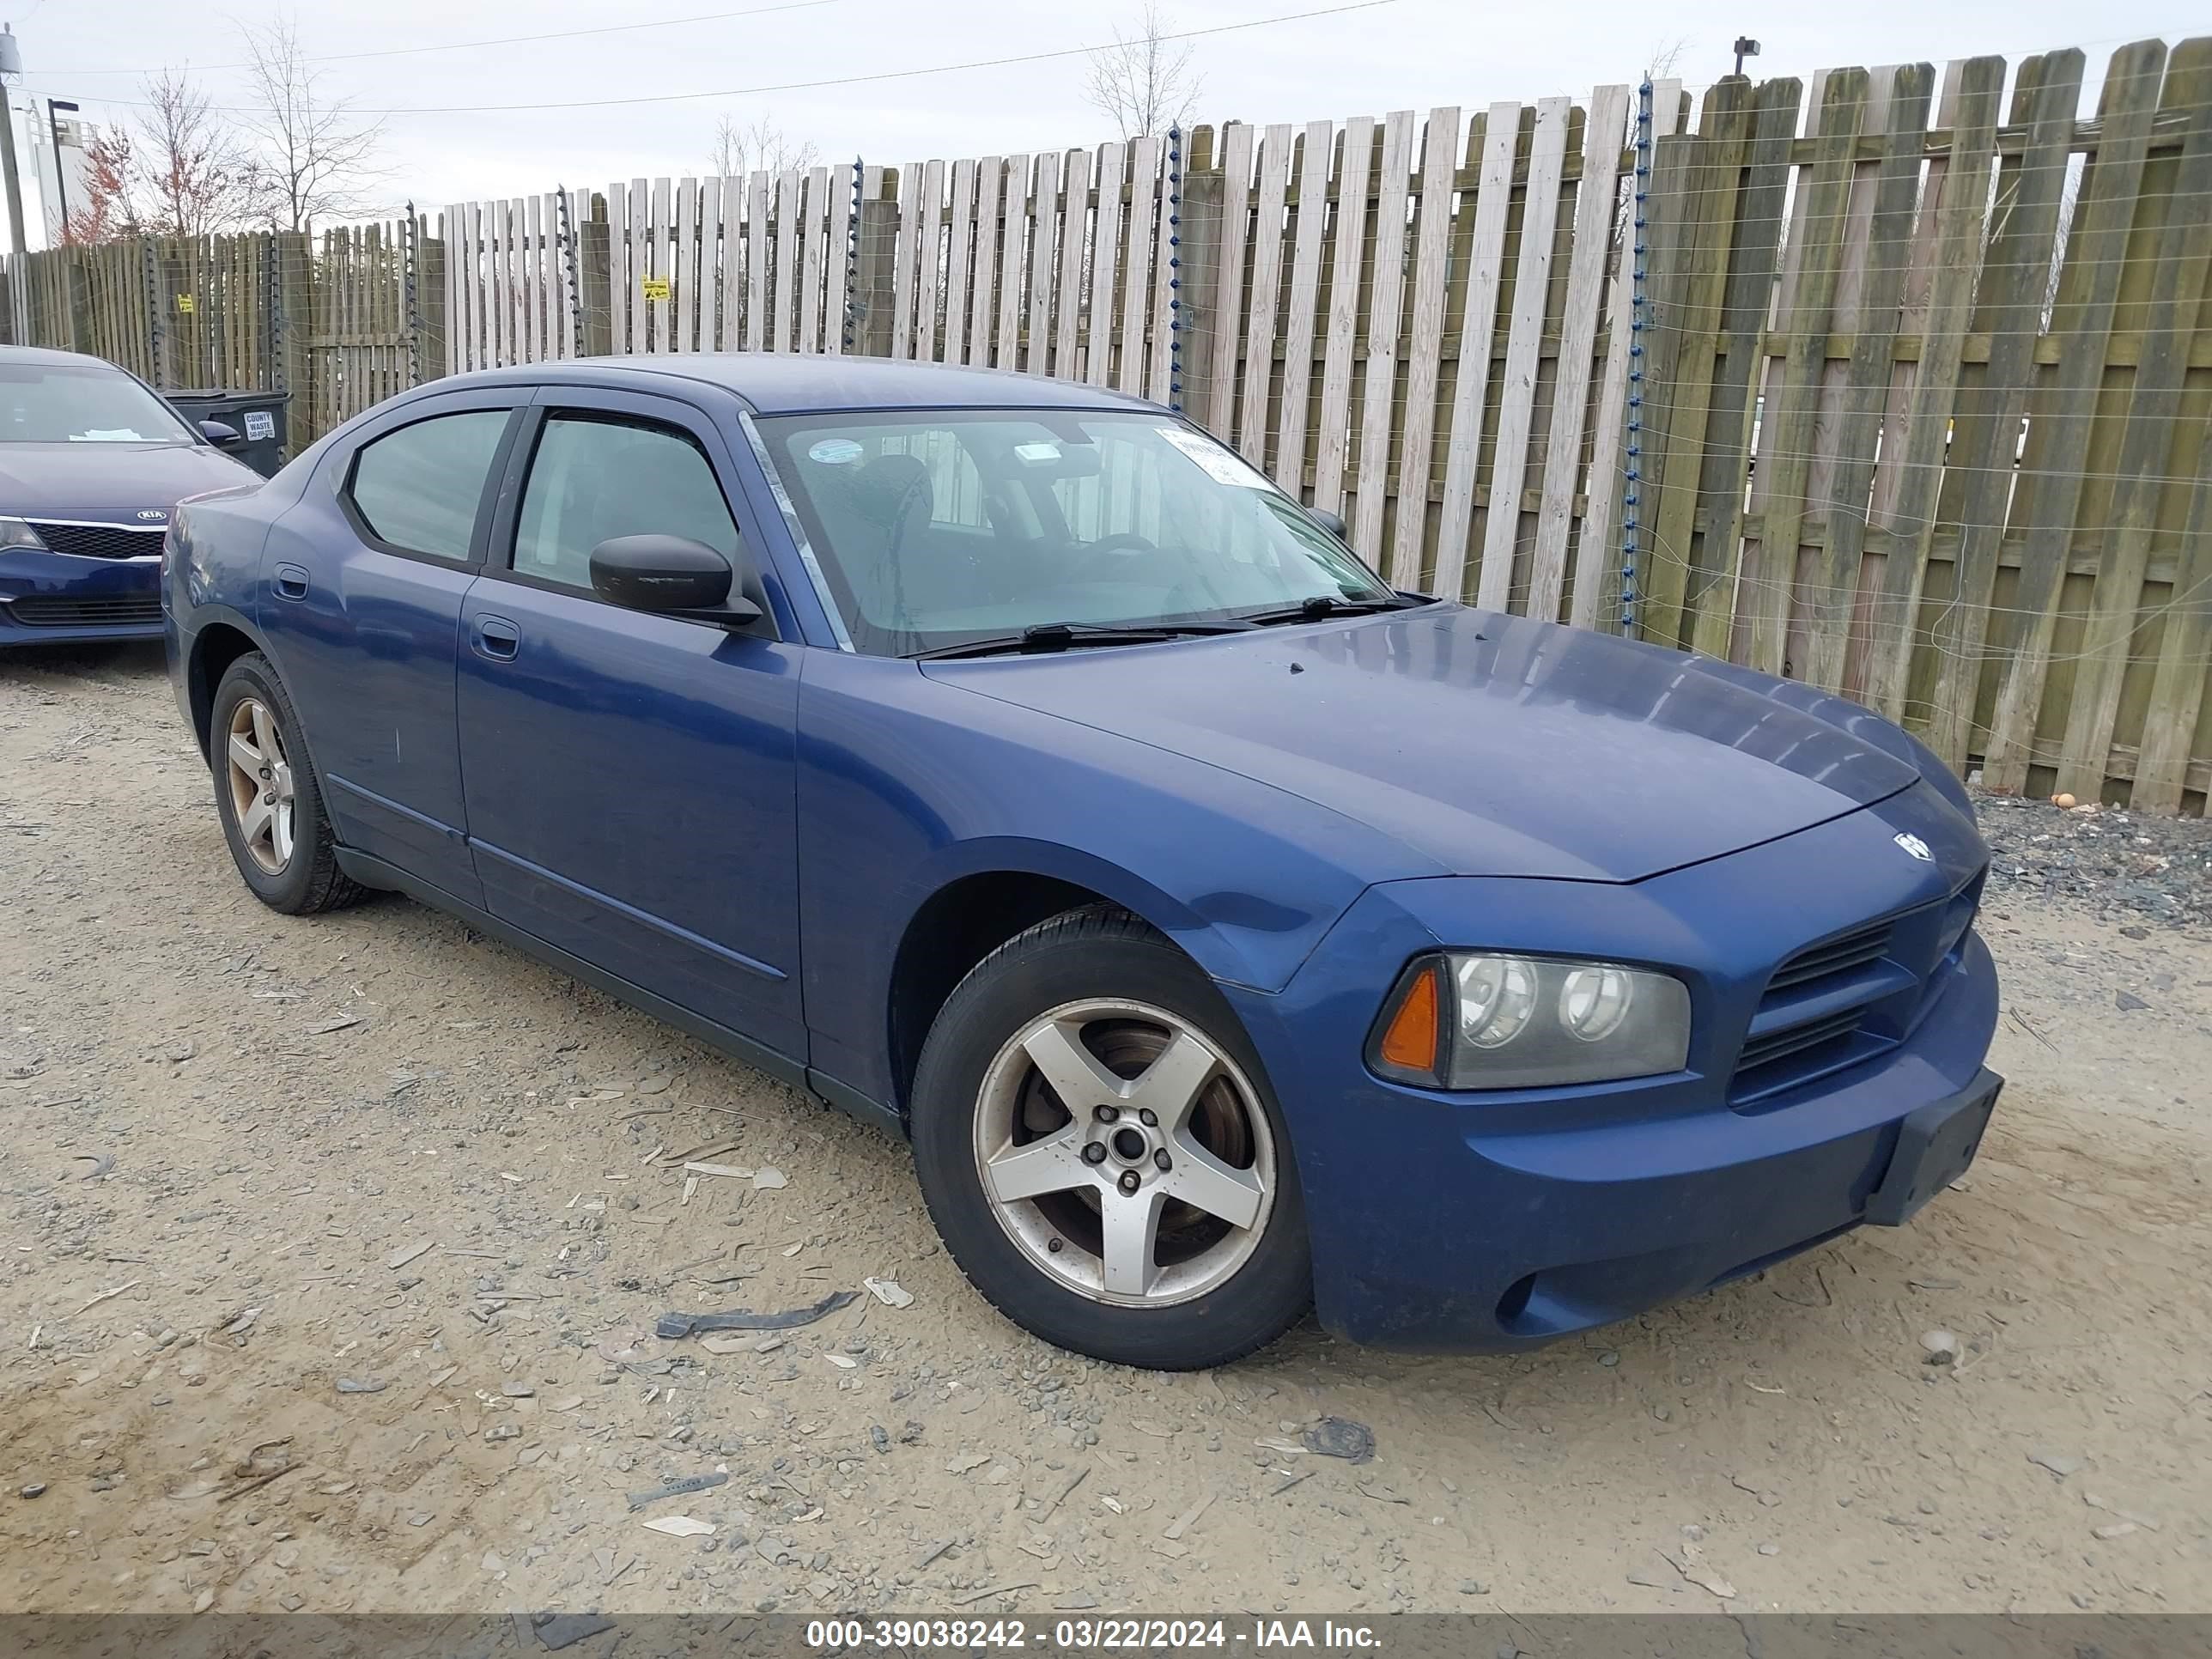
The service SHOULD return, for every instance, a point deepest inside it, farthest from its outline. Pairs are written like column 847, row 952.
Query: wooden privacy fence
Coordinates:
column 1926, row 377
column 1303, row 291
column 336, row 319
column 1930, row 412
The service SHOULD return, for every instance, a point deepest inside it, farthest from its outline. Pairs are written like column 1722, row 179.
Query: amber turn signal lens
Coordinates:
column 1410, row 1041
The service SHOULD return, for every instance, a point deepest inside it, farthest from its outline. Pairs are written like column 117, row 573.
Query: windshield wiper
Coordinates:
column 1060, row 636
column 1319, row 607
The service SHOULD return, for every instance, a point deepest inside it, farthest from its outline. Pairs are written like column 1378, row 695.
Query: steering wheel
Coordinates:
column 1119, row 548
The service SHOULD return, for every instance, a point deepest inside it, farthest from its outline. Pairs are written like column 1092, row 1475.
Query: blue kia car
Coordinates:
column 1011, row 765
column 91, row 462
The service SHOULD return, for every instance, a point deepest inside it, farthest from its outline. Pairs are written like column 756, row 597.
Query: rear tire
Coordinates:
column 267, row 797
column 1102, row 1154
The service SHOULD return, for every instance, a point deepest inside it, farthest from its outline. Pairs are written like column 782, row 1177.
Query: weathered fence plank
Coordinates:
column 1516, row 410
column 1431, row 243
column 1471, row 382
column 1268, row 228
column 1594, row 201
column 1333, row 438
column 1379, row 413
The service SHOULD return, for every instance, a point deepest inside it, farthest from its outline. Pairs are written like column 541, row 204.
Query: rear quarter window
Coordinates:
column 418, row 489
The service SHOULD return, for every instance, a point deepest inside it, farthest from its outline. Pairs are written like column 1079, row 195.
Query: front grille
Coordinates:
column 1837, row 955
column 1846, row 999
column 1796, row 1039
column 100, row 541
column 119, row 611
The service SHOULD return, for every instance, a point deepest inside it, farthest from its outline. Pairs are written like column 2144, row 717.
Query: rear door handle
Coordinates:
column 496, row 638
column 291, row 582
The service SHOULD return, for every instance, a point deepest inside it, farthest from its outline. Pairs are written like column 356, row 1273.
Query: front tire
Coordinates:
column 267, row 797
column 1101, row 1152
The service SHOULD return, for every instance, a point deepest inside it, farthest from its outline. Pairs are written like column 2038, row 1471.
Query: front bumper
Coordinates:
column 1501, row 1221
column 53, row 598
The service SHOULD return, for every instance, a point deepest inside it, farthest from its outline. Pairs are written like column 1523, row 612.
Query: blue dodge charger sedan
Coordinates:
column 91, row 462
column 1009, row 764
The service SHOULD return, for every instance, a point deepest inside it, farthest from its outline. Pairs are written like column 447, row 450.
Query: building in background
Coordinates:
column 58, row 139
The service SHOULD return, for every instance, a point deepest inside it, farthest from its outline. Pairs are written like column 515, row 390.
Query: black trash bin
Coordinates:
column 257, row 417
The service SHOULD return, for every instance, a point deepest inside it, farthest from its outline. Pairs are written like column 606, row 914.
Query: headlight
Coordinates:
column 1476, row 1019
column 14, row 533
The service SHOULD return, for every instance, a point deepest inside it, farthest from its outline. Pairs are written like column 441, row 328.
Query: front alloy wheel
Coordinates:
column 1124, row 1153
column 1100, row 1149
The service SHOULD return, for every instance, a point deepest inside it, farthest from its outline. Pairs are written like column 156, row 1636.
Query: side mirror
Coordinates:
column 670, row 576
column 1331, row 522
column 222, row 434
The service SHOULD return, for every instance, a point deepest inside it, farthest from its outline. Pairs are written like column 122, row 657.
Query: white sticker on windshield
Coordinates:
column 1036, row 455
column 118, row 435
column 1221, row 466
column 835, row 452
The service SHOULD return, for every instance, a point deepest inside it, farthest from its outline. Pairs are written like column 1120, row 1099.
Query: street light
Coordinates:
column 1745, row 48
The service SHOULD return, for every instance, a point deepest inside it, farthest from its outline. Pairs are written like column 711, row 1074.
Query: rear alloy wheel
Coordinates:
column 259, row 775
column 1099, row 1148
column 266, row 795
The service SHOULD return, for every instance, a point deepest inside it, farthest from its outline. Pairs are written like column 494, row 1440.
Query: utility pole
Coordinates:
column 12, row 70
column 1745, row 48
column 54, row 108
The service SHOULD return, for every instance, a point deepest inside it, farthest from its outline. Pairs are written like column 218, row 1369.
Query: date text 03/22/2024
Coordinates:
column 1078, row 1635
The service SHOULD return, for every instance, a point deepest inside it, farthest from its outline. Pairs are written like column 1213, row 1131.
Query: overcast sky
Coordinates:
column 1407, row 54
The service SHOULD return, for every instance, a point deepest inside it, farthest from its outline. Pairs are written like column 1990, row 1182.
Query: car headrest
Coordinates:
column 892, row 486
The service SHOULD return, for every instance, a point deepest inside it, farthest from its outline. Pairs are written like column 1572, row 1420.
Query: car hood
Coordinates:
column 108, row 480
column 1493, row 745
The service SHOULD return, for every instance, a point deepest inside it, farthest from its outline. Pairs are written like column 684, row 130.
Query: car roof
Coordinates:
column 43, row 355
column 778, row 383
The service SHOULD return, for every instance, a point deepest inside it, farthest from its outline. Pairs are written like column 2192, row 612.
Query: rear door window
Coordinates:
column 418, row 489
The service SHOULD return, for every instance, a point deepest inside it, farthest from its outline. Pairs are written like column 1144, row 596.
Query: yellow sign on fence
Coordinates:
column 654, row 287
column 186, row 304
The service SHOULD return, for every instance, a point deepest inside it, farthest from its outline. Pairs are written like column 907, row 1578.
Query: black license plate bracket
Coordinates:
column 1934, row 1145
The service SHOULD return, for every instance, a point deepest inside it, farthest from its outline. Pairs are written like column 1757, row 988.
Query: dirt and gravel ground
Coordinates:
column 332, row 1252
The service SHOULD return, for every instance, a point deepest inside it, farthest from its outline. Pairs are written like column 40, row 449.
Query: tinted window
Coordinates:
column 596, row 477
column 419, row 487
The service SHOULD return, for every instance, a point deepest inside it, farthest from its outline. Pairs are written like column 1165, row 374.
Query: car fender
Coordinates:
column 1199, row 933
column 908, row 786
column 195, row 690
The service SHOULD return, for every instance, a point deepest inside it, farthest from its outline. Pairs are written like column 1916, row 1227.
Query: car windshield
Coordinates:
column 69, row 404
column 934, row 530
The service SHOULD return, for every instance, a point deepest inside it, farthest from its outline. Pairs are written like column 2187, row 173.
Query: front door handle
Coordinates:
column 291, row 582
column 496, row 638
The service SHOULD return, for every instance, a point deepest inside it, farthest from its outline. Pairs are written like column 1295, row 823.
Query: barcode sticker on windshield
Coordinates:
column 1221, row 466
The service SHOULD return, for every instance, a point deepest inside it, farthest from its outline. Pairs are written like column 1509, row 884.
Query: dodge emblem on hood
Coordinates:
column 1917, row 847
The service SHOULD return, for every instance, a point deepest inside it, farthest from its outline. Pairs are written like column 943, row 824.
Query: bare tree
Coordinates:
column 1666, row 55
column 742, row 147
column 316, row 158
column 1144, row 81
column 191, row 171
